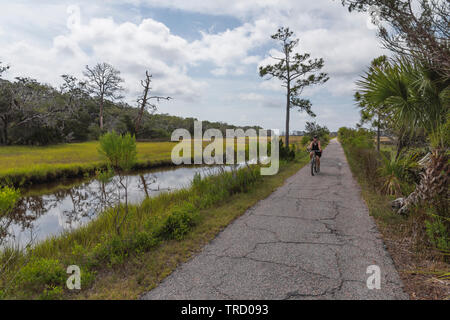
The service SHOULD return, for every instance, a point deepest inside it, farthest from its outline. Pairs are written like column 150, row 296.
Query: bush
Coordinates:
column 438, row 232
column 94, row 132
column 286, row 153
column 393, row 171
column 360, row 138
column 313, row 129
column 178, row 223
column 359, row 148
column 40, row 275
column 143, row 241
column 51, row 293
column 306, row 140
column 120, row 150
column 8, row 199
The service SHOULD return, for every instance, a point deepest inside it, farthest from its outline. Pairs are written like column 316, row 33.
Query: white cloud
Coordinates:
column 41, row 46
column 229, row 50
column 129, row 47
column 252, row 97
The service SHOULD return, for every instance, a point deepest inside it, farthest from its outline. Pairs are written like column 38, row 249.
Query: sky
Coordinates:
column 204, row 54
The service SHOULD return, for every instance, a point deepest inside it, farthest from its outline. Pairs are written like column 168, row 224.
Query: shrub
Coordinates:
column 40, row 274
column 143, row 241
column 8, row 199
column 438, row 232
column 178, row 223
column 358, row 145
column 286, row 153
column 94, row 131
column 360, row 138
column 51, row 293
column 119, row 150
column 313, row 129
column 392, row 171
column 306, row 140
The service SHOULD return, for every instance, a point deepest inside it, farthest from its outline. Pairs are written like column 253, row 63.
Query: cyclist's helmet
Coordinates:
column 315, row 137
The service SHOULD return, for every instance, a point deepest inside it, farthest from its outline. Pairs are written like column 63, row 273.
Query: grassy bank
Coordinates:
column 423, row 267
column 24, row 165
column 156, row 236
column 27, row 165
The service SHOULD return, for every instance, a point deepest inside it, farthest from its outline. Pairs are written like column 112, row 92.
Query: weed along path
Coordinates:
column 312, row 238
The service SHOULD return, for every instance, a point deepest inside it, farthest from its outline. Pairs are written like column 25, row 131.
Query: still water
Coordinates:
column 68, row 206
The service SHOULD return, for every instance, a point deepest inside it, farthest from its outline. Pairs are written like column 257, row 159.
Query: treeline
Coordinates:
column 33, row 113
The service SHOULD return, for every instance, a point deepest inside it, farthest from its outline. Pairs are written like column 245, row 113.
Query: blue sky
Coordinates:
column 203, row 54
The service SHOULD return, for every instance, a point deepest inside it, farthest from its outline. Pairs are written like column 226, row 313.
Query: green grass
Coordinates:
column 20, row 165
column 377, row 203
column 158, row 234
column 27, row 165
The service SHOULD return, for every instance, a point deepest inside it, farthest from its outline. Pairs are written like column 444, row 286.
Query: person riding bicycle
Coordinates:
column 315, row 148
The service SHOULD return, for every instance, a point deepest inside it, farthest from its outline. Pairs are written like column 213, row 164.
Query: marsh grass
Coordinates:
column 25, row 165
column 168, row 228
column 37, row 271
column 22, row 166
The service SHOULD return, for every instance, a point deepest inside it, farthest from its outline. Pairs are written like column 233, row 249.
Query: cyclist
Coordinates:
column 315, row 148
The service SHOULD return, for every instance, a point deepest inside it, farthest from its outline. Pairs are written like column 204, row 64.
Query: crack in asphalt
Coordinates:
column 320, row 269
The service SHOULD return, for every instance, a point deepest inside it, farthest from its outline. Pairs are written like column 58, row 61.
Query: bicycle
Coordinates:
column 314, row 168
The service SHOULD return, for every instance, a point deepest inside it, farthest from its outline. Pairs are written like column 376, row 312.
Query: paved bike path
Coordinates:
column 312, row 238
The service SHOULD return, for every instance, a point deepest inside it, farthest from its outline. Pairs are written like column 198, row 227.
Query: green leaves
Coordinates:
column 296, row 71
column 303, row 105
column 119, row 150
column 410, row 91
column 8, row 198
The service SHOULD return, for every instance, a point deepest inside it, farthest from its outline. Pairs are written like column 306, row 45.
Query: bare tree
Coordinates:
column 296, row 71
column 104, row 81
column 144, row 100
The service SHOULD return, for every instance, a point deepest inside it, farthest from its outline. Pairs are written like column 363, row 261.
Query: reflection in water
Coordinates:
column 39, row 217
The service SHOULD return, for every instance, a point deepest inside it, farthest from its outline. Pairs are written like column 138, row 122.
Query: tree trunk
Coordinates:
column 433, row 184
column 400, row 144
column 144, row 183
column 144, row 102
column 139, row 119
column 5, row 132
column 378, row 133
column 288, row 94
column 288, row 107
column 101, row 112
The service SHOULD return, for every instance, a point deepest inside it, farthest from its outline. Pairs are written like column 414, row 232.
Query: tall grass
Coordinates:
column 36, row 272
column 27, row 165
column 20, row 165
column 383, row 178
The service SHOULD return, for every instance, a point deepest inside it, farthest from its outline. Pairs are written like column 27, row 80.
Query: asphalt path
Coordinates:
column 312, row 238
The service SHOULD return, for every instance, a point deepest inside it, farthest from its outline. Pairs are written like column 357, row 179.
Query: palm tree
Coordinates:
column 373, row 113
column 417, row 97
